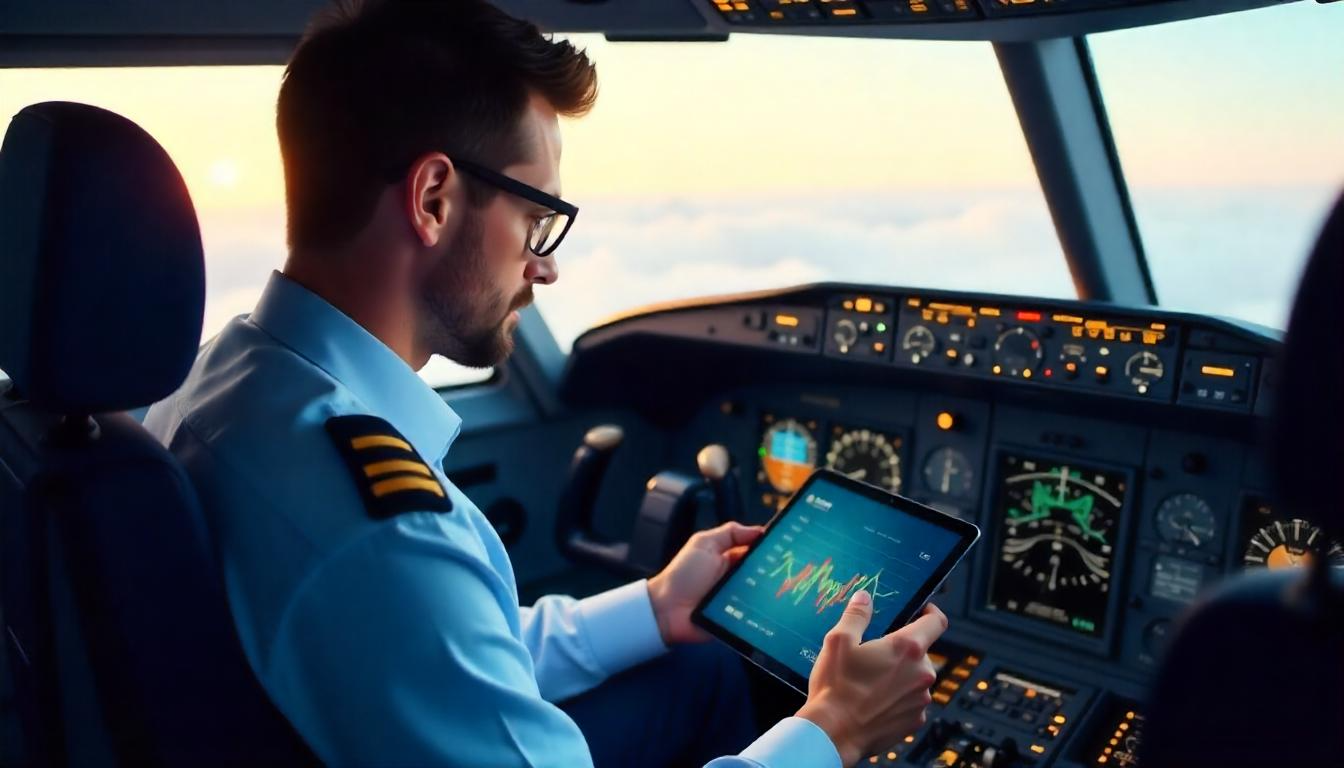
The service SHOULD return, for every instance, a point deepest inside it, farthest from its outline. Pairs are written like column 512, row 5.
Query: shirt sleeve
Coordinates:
column 402, row 650
column 794, row 742
column 576, row 644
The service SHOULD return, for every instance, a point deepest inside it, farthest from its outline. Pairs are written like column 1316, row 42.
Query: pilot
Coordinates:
column 374, row 601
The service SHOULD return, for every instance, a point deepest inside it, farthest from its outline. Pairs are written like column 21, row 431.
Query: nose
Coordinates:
column 542, row 270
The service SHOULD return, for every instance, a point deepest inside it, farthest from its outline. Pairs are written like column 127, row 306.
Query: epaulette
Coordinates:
column 390, row 475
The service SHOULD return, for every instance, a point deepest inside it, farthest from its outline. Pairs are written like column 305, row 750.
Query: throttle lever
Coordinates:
column 716, row 466
column 574, row 531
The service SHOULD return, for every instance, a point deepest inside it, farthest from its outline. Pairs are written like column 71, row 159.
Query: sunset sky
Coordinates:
column 768, row 160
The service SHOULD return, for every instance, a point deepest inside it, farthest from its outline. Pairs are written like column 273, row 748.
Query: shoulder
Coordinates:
column 391, row 477
column 270, row 438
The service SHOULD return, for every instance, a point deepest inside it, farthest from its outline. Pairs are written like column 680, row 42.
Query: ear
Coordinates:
column 429, row 199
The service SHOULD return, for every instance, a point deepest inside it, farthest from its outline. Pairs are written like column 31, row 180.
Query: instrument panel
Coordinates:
column 1110, row 457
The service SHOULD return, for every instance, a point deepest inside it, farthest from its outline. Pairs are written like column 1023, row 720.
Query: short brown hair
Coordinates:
column 354, row 109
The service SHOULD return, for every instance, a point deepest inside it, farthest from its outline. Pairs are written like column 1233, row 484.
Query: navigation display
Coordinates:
column 831, row 542
column 1056, row 524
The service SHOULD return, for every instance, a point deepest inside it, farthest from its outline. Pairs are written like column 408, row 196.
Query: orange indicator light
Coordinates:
column 989, row 312
column 863, row 304
column 1214, row 370
column 946, row 421
column 1067, row 319
column 788, row 321
column 1026, row 373
column 845, row 12
column 1030, row 317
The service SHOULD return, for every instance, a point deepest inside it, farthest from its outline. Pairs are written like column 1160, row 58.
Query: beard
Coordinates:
column 465, row 319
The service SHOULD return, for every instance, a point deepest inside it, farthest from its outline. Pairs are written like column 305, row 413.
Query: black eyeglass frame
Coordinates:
column 528, row 193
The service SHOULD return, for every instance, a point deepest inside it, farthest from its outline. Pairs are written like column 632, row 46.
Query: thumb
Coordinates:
column 857, row 614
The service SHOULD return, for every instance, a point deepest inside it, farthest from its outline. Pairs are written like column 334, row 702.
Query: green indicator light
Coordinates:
column 881, row 327
column 761, row 451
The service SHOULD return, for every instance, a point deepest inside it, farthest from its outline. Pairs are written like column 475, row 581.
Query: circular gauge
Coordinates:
column 1284, row 544
column 863, row 454
column 1143, row 369
column 845, row 334
column 948, row 472
column 919, row 342
column 1186, row 519
column 1017, row 352
column 788, row 454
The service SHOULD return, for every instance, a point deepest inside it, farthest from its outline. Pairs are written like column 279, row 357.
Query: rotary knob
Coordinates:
column 845, row 334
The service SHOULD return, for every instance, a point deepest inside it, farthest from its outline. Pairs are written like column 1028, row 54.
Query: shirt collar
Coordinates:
column 334, row 342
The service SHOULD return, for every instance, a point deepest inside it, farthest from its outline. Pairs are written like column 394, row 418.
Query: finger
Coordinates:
column 924, row 630
column 736, row 553
column 858, row 612
column 728, row 535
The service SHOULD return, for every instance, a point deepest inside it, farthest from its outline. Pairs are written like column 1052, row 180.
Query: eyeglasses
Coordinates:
column 546, row 232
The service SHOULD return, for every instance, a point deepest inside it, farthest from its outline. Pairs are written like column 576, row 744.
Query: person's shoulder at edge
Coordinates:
column 250, row 425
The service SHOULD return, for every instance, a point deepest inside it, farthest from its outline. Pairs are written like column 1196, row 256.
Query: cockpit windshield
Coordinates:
column 771, row 161
column 705, row 168
column 1228, row 128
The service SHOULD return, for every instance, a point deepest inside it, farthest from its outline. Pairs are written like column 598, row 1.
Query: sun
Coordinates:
column 224, row 173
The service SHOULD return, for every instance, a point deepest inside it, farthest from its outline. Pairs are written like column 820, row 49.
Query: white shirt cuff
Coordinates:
column 621, row 628
column 794, row 742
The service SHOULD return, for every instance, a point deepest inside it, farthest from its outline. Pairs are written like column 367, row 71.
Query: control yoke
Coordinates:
column 667, row 514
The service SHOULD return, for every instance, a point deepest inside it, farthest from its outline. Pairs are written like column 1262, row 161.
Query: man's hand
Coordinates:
column 679, row 587
column 868, row 696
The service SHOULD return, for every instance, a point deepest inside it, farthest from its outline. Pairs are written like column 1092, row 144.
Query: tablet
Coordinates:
column 835, row 537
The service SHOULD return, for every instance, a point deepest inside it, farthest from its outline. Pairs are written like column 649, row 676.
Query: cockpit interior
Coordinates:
column 1138, row 467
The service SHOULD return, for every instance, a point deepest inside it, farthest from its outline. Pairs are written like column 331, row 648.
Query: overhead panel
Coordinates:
column 41, row 33
column 1004, row 20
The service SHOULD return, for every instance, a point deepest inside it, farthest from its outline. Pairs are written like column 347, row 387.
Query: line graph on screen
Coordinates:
column 814, row 578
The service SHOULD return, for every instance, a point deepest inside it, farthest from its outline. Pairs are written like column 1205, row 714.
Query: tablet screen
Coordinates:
column 830, row 542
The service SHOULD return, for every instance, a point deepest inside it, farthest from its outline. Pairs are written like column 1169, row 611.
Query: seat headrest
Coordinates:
column 1308, row 446
column 102, row 278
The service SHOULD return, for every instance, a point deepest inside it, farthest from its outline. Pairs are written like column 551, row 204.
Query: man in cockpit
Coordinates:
column 374, row 601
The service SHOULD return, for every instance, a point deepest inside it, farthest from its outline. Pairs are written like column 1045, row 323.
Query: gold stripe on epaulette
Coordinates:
column 397, row 484
column 395, row 465
column 379, row 441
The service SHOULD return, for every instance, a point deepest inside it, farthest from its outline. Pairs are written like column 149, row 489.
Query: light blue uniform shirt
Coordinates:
column 396, row 641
